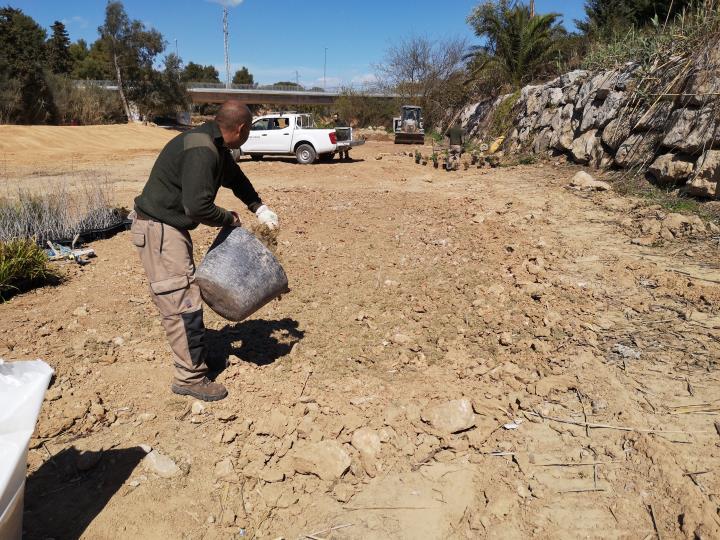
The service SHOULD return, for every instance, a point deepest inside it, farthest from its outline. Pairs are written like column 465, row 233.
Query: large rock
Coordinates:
column 692, row 130
column 326, row 459
column 682, row 225
column 638, row 149
column 585, row 148
column 583, row 180
column 703, row 84
column 706, row 175
column 547, row 116
column 367, row 442
column 670, row 169
column 626, row 78
column 597, row 113
column 617, row 131
column 532, row 96
column 161, row 465
column 543, row 141
column 563, row 130
column 572, row 78
column 654, row 118
column 224, row 470
column 597, row 87
column 451, row 416
column 607, row 84
column 273, row 424
column 553, row 96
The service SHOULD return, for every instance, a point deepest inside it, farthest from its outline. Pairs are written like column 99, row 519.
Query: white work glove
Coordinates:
column 267, row 217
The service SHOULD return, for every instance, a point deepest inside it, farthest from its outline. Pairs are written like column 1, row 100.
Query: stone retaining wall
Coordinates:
column 601, row 120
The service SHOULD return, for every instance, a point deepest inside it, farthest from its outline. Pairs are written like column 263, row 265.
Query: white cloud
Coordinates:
column 76, row 22
column 366, row 78
column 227, row 3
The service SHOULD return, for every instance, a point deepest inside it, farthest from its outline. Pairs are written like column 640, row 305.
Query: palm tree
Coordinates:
column 519, row 46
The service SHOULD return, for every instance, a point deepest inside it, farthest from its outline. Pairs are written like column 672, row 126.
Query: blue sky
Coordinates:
column 274, row 38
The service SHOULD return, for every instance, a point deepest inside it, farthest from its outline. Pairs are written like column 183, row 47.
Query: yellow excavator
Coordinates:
column 408, row 126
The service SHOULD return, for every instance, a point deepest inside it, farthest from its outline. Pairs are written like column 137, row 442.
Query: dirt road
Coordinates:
column 483, row 353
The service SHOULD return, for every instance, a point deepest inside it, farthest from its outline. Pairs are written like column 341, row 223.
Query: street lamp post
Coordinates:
column 325, row 71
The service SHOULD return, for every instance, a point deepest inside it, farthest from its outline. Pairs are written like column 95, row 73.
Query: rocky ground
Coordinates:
column 483, row 353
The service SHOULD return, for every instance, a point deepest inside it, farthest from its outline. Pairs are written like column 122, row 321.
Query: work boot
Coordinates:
column 205, row 390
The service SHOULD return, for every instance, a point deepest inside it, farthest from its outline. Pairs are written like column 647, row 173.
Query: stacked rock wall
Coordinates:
column 602, row 119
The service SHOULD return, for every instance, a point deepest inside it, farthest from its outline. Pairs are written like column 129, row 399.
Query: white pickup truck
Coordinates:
column 293, row 133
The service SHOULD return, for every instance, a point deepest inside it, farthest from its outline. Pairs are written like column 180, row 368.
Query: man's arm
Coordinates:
column 233, row 178
column 198, row 193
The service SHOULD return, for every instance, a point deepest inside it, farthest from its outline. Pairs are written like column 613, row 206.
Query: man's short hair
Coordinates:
column 232, row 113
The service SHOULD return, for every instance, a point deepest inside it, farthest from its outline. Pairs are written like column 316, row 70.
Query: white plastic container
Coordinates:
column 22, row 390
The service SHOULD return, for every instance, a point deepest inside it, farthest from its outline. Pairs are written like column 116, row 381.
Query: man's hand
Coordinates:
column 236, row 221
column 267, row 217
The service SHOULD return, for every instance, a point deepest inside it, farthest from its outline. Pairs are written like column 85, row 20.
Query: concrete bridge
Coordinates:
column 272, row 94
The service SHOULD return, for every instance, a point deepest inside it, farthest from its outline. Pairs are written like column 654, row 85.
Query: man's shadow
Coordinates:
column 258, row 341
column 61, row 500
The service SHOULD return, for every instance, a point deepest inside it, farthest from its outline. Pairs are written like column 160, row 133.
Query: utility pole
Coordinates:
column 297, row 78
column 227, row 55
column 176, row 49
column 325, row 71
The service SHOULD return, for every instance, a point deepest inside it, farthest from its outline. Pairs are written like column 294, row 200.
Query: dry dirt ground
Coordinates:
column 478, row 354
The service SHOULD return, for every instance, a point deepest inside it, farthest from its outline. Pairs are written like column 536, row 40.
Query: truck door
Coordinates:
column 258, row 136
column 279, row 135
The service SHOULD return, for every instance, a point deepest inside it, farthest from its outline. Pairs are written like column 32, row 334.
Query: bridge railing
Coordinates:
column 365, row 89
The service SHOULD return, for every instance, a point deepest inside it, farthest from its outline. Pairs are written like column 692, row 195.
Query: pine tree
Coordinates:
column 243, row 76
column 24, row 93
column 57, row 49
column 197, row 73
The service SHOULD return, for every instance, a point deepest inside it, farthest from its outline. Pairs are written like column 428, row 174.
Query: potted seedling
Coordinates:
column 434, row 158
column 418, row 157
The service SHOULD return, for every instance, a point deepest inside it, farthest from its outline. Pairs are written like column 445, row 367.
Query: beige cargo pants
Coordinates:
column 454, row 157
column 166, row 254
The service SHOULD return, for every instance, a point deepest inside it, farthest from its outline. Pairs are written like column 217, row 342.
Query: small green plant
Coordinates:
column 529, row 159
column 502, row 118
column 436, row 136
column 23, row 264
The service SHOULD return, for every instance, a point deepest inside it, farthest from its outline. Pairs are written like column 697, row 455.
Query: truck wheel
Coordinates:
column 305, row 154
column 256, row 157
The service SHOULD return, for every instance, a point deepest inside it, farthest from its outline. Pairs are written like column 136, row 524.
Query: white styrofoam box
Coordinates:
column 22, row 390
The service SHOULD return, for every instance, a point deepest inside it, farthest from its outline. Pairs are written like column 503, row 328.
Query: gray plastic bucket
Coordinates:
column 239, row 275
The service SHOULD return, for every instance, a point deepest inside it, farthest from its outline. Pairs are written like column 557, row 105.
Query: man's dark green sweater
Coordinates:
column 186, row 177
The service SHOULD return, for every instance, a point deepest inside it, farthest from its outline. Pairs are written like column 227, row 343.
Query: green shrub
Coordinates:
column 22, row 264
column 85, row 103
column 436, row 136
column 686, row 35
column 502, row 118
